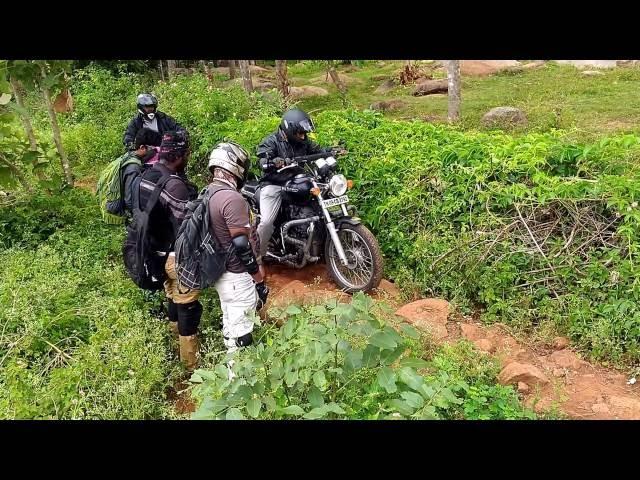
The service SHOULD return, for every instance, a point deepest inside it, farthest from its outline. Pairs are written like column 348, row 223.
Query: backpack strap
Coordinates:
column 155, row 195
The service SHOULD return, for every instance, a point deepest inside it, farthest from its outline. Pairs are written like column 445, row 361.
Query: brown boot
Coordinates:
column 189, row 347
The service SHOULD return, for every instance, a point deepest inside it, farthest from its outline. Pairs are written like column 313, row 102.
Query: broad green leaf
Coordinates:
column 319, row 379
column 410, row 378
column 387, row 379
column 353, row 360
column 253, row 407
column 335, row 408
column 402, row 407
column 234, row 414
column 409, row 331
column 387, row 357
column 245, row 392
column 383, row 340
column 291, row 378
column 315, row 397
column 289, row 327
column 269, row 402
column 428, row 413
column 413, row 399
column 316, row 413
column 414, row 362
column 370, row 356
column 361, row 302
column 221, row 370
column 292, row 410
column 304, row 375
column 293, row 310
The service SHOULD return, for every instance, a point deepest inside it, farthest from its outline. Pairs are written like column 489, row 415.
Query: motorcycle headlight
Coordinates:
column 338, row 185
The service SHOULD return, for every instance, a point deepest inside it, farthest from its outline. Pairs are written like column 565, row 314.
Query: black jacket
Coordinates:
column 165, row 124
column 276, row 145
column 167, row 215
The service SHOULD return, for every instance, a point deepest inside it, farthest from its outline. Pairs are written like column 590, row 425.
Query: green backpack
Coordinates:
column 110, row 188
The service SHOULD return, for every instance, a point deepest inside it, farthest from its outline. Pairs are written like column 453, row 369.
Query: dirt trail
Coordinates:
column 547, row 377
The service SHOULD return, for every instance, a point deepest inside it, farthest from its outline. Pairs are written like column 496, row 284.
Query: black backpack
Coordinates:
column 200, row 260
column 145, row 267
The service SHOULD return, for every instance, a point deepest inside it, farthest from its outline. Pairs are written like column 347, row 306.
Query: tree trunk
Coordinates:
column 336, row 79
column 453, row 76
column 160, row 62
column 232, row 69
column 171, row 68
column 66, row 168
column 246, row 75
column 26, row 122
column 252, row 62
column 282, row 78
column 17, row 173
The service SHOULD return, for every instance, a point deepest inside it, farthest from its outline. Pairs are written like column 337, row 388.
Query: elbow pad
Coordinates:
column 245, row 253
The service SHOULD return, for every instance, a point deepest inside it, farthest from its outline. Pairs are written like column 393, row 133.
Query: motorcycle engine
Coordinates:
column 301, row 232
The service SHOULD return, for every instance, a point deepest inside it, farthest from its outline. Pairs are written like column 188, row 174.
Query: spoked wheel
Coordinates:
column 363, row 271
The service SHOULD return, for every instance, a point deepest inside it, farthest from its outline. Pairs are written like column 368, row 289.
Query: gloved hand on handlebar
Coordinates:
column 281, row 162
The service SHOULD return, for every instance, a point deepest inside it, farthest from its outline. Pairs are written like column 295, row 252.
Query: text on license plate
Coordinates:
column 332, row 202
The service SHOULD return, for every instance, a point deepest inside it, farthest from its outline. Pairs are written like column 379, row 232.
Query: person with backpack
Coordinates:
column 241, row 287
column 148, row 117
column 167, row 188
column 114, row 185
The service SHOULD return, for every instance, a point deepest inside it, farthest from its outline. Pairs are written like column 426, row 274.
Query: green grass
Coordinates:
column 553, row 96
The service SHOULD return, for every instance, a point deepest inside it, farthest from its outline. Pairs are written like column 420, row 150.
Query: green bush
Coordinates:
column 343, row 361
column 77, row 341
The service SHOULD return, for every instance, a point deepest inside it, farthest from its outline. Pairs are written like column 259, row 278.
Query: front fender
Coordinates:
column 346, row 220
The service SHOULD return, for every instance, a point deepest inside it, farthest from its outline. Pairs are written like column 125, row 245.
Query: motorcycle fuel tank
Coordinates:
column 299, row 188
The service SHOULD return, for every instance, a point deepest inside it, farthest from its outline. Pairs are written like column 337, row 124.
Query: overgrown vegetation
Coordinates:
column 535, row 230
column 344, row 361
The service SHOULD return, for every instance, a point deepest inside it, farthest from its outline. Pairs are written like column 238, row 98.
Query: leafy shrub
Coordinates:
column 344, row 361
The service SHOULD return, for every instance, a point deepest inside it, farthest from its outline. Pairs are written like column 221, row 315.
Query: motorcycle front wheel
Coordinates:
column 363, row 271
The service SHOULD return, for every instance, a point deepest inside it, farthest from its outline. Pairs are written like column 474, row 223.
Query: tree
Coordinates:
column 282, row 78
column 232, row 69
column 245, row 72
column 453, row 75
column 342, row 88
column 171, row 69
column 16, row 88
column 50, row 76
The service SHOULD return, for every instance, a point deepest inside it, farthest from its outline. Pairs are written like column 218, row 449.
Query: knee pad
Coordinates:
column 172, row 311
column 189, row 318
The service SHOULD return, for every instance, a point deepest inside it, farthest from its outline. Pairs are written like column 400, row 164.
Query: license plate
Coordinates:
column 332, row 202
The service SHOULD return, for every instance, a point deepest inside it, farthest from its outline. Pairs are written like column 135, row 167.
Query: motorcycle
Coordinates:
column 316, row 223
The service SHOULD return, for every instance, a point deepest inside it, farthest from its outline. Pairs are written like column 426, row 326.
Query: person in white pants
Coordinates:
column 241, row 288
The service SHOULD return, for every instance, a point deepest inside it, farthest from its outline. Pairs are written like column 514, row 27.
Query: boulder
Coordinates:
column 560, row 343
column 504, row 117
column 485, row 345
column 566, row 359
column 486, row 67
column 306, row 91
column 527, row 373
column 387, row 105
column 429, row 314
column 386, row 86
column 429, row 87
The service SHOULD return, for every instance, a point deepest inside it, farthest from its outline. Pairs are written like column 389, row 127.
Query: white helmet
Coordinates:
column 230, row 157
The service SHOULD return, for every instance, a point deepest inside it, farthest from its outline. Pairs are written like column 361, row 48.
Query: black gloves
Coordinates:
column 263, row 292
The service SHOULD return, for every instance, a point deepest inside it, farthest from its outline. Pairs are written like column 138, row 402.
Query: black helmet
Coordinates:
column 147, row 100
column 296, row 121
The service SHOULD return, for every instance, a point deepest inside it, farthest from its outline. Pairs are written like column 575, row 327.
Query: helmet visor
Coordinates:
column 307, row 126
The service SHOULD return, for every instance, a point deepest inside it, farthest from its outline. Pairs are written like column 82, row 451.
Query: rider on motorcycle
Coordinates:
column 274, row 152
